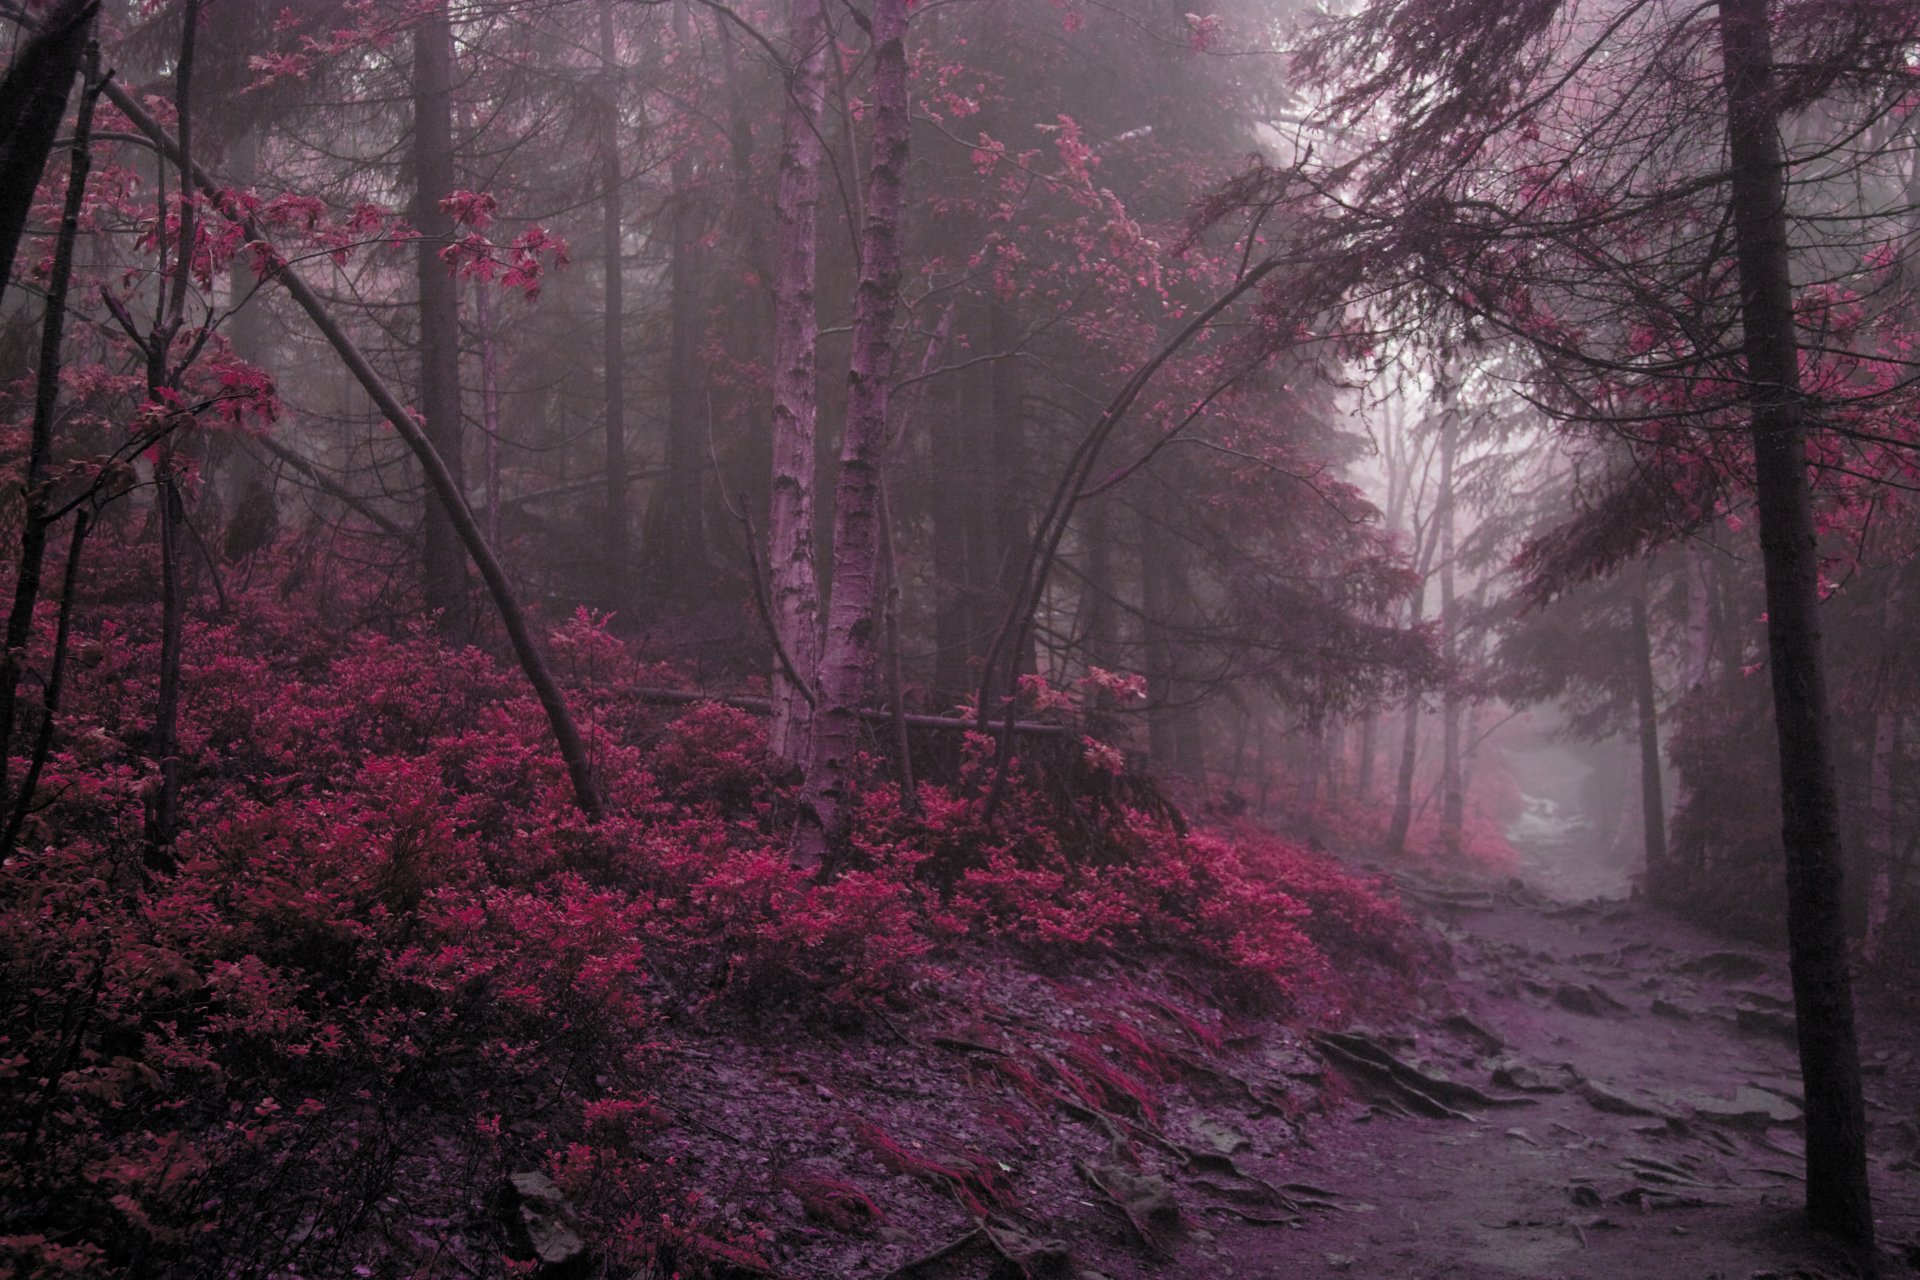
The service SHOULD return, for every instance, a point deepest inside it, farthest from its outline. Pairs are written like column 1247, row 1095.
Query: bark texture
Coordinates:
column 846, row 662
column 1837, row 1193
column 1882, row 768
column 1653, row 804
column 35, row 524
column 1453, row 801
column 443, row 571
column 793, row 584
column 1689, row 857
column 33, row 100
column 679, row 553
column 615, row 512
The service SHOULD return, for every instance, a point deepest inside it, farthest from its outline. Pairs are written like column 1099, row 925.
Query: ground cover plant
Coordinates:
column 387, row 964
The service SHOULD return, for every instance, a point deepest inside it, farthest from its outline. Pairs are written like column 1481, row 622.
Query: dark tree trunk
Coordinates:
column 162, row 806
column 163, row 378
column 1099, row 627
column 1004, row 502
column 1453, row 800
column 33, row 100
column 1403, row 780
column 1653, row 801
column 46, row 397
column 616, row 517
column 680, row 552
column 951, row 455
column 1157, row 594
column 1838, row 1199
column 56, row 686
column 1363, row 774
column 1883, row 766
column 443, row 569
column 246, row 493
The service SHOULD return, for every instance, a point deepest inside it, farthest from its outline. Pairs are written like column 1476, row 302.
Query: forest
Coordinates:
column 926, row 639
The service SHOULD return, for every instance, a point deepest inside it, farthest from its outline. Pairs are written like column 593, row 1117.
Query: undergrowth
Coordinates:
column 388, row 954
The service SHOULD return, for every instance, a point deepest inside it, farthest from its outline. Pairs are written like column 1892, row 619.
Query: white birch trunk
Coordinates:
column 793, row 586
column 847, row 658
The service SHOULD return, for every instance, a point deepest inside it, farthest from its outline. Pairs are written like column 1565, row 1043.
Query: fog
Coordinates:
column 791, row 639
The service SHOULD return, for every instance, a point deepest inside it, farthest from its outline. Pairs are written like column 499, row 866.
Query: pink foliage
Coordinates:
column 388, row 926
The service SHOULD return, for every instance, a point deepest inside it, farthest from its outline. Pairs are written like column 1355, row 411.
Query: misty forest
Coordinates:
column 959, row 639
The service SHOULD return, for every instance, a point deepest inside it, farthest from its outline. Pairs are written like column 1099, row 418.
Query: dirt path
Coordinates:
column 1636, row 1114
column 1590, row 1090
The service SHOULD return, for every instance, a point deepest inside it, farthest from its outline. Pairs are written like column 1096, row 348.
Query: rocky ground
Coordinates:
column 1587, row 1090
column 1637, row 1114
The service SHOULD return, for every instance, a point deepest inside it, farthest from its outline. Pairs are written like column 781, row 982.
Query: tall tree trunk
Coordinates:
column 1653, row 803
column 163, row 380
column 616, row 513
column 679, row 554
column 489, row 407
column 1838, row 1199
column 33, row 101
column 953, row 454
column 1099, row 630
column 1880, row 773
column 1689, row 857
column 1363, row 775
column 1424, row 543
column 46, row 398
column 1312, row 749
column 1879, row 834
column 246, row 490
column 1453, row 802
column 846, row 661
column 56, row 685
column 794, row 586
column 1004, row 506
column 444, row 571
column 1402, row 819
column 1334, row 753
column 162, row 803
column 1156, row 613
column 1173, row 722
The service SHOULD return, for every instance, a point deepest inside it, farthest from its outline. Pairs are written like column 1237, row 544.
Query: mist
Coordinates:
column 942, row 639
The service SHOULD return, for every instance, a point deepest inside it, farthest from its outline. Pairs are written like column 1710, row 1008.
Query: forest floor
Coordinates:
column 1593, row 1090
column 1661, row 1138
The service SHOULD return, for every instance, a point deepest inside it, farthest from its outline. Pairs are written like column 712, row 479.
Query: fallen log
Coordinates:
column 877, row 715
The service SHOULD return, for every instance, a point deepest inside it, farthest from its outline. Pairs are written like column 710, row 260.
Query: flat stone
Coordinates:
column 547, row 1221
column 1746, row 1108
column 1617, row 1103
column 1221, row 1139
column 1522, row 1078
